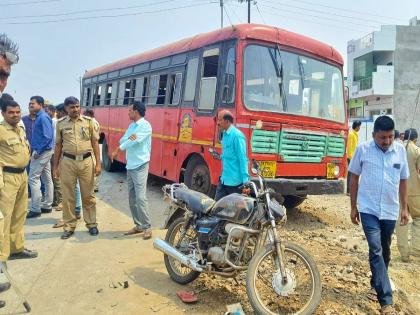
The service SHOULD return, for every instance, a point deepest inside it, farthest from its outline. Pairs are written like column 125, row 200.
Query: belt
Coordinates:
column 13, row 170
column 79, row 157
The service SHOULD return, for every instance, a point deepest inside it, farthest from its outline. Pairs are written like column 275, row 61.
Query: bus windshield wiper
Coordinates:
column 279, row 69
column 301, row 72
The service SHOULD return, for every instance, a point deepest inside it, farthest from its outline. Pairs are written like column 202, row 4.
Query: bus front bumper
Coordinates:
column 303, row 187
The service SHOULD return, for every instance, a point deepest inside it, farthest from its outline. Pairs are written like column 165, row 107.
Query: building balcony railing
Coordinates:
column 364, row 84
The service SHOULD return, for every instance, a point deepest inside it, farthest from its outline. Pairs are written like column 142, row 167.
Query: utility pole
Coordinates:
column 249, row 11
column 221, row 13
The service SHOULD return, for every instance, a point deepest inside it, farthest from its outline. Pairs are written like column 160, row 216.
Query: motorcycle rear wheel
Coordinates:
column 178, row 272
column 302, row 293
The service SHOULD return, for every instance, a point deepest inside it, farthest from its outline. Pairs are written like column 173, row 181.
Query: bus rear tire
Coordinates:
column 107, row 165
column 197, row 176
column 292, row 201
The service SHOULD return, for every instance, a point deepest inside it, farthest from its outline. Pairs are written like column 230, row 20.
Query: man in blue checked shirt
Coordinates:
column 42, row 144
column 234, row 157
column 137, row 142
column 378, row 184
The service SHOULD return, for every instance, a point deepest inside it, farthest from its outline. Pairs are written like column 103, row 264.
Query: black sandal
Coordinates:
column 66, row 235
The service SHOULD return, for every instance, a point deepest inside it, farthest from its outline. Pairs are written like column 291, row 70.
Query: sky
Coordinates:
column 60, row 39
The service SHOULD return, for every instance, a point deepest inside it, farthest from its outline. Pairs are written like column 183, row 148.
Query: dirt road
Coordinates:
column 86, row 275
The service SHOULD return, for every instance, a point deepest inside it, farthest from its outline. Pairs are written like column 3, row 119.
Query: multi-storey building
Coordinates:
column 384, row 73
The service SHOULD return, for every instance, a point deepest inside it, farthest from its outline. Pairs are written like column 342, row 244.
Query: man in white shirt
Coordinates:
column 378, row 184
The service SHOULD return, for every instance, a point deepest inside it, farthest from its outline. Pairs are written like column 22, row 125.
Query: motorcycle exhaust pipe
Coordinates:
column 167, row 249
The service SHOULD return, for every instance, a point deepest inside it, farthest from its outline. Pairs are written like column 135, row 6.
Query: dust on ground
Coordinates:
column 322, row 226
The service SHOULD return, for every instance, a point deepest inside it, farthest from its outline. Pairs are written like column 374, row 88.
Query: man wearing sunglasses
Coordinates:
column 8, row 57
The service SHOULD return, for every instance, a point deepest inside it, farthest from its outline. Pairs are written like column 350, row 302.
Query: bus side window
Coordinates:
column 153, row 90
column 175, row 88
column 228, row 84
column 114, row 94
column 86, row 96
column 141, row 89
column 127, row 92
column 208, row 81
column 121, row 92
column 108, row 93
column 163, row 80
column 191, row 79
column 97, row 97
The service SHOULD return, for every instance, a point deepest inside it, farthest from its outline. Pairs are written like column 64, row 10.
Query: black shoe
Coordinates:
column 26, row 253
column 32, row 215
column 96, row 190
column 4, row 286
column 78, row 216
column 93, row 231
column 43, row 210
column 2, row 303
column 66, row 235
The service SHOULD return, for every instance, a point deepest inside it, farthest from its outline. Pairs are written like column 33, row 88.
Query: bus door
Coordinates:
column 226, row 86
column 171, row 123
column 205, row 124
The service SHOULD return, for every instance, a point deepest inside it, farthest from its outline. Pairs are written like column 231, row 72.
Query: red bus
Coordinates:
column 285, row 90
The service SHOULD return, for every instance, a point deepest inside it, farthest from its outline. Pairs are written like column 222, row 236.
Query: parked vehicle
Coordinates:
column 235, row 234
column 284, row 89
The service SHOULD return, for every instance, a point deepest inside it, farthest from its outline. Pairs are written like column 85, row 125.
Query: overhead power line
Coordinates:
column 26, row 2
column 326, row 13
column 319, row 17
column 85, row 11
column 258, row 9
column 227, row 14
column 353, row 29
column 350, row 10
column 107, row 16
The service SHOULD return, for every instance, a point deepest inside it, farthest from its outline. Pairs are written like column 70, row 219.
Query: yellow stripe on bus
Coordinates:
column 165, row 137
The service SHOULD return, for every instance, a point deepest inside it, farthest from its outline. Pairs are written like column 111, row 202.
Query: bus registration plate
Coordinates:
column 268, row 168
column 330, row 170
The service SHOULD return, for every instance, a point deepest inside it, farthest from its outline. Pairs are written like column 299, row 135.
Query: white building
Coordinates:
column 383, row 72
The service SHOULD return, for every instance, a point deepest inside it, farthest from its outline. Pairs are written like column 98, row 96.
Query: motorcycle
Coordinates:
column 239, row 233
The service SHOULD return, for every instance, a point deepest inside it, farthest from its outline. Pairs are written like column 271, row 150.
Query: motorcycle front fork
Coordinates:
column 274, row 239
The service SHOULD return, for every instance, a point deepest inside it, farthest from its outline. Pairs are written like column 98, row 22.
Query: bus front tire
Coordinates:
column 197, row 176
column 292, row 201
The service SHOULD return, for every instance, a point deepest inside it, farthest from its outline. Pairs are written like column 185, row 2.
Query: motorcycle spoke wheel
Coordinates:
column 183, row 247
column 183, row 243
column 300, row 295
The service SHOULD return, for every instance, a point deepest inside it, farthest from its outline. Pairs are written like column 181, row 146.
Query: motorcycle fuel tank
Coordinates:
column 234, row 208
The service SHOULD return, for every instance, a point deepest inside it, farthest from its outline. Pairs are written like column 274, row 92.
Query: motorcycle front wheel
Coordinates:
column 177, row 271
column 268, row 294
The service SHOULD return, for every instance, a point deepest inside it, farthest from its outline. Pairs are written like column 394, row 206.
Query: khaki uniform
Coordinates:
column 413, row 158
column 14, row 153
column 75, row 137
column 96, row 126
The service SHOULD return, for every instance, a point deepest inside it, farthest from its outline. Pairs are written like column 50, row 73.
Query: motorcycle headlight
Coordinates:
column 277, row 209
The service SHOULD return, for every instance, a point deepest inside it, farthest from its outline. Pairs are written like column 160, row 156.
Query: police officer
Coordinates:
column 14, row 157
column 77, row 158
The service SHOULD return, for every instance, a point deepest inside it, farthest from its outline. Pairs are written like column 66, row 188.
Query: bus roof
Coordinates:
column 241, row 31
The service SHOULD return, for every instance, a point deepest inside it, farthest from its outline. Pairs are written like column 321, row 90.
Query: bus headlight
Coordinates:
column 336, row 170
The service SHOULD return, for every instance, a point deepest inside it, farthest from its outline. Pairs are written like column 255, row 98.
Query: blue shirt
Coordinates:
column 28, row 122
column 380, row 174
column 137, row 151
column 234, row 158
column 42, row 133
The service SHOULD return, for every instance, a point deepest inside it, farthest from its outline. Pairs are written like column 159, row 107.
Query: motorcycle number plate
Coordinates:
column 330, row 170
column 268, row 168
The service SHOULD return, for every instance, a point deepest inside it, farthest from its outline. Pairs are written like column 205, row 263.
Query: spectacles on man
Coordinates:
column 11, row 57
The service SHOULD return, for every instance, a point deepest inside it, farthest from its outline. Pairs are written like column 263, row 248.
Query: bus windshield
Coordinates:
column 285, row 82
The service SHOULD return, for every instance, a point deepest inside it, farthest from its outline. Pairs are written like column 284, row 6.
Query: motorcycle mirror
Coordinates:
column 254, row 170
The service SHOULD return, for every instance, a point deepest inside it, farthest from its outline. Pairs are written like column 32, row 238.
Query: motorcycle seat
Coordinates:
column 197, row 202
